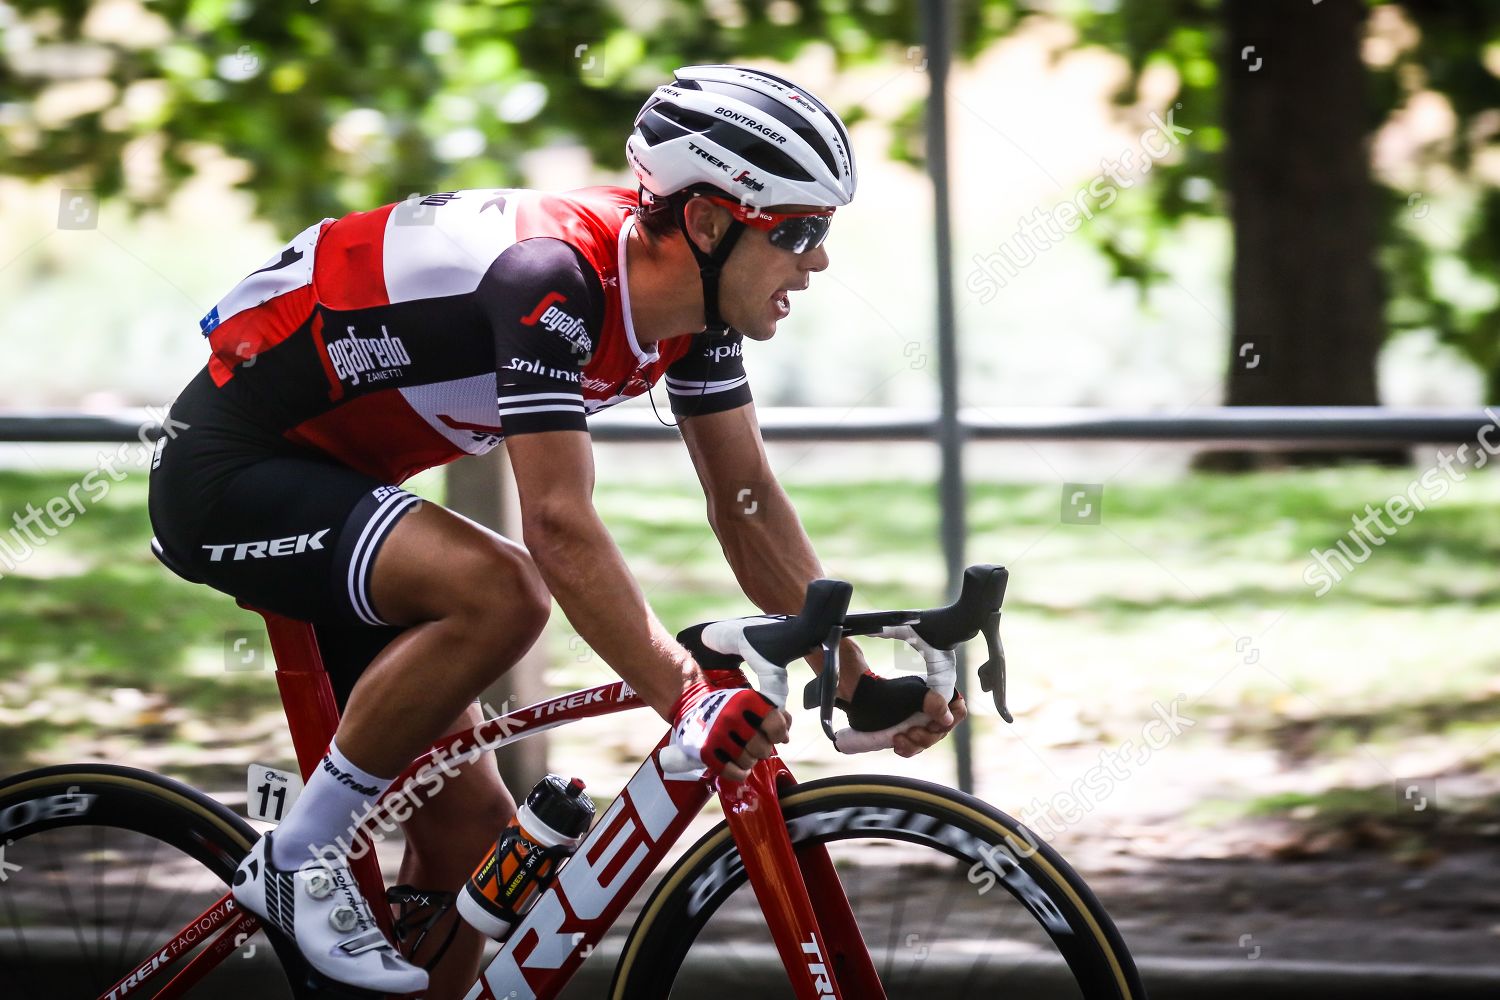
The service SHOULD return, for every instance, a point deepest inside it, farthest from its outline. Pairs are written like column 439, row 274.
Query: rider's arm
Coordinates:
column 756, row 524
column 546, row 308
column 585, row 571
column 769, row 551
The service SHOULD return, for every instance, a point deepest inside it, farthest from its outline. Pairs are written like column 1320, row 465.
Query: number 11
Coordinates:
column 266, row 795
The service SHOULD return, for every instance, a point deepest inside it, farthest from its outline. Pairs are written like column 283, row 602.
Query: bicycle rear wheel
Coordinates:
column 102, row 865
column 952, row 897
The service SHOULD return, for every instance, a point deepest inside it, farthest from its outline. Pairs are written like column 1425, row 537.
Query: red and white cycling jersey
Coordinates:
column 408, row 336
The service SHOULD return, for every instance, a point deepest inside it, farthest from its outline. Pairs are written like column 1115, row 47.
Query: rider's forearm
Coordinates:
column 585, row 572
column 773, row 561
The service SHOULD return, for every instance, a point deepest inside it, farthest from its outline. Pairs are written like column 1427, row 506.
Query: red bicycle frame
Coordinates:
column 799, row 892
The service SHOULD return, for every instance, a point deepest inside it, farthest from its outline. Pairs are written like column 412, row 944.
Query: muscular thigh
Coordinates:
column 438, row 564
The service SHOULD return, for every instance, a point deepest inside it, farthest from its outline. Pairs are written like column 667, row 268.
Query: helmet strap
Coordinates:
column 710, row 265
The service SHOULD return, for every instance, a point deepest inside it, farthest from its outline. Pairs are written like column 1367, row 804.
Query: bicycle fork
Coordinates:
column 799, row 892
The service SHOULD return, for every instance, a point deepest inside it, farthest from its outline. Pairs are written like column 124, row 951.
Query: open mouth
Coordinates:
column 783, row 302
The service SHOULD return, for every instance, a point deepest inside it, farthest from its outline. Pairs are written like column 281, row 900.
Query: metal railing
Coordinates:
column 1267, row 426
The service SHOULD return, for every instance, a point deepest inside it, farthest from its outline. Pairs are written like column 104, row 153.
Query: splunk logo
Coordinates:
column 719, row 353
column 607, row 869
column 370, row 359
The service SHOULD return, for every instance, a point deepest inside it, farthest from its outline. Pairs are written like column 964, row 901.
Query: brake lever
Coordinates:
column 828, row 680
column 992, row 672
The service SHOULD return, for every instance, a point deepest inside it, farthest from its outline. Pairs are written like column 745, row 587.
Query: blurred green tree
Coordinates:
column 393, row 97
column 1330, row 253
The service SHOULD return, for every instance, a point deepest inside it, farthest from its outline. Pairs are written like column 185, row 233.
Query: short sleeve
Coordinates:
column 710, row 377
column 545, row 309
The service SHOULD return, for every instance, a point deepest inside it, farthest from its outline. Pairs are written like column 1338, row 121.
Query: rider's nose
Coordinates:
column 815, row 259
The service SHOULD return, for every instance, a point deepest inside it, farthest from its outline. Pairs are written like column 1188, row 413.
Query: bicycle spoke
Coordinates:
column 131, row 865
column 128, row 929
column 96, row 834
column 895, row 929
column 15, row 922
column 55, row 866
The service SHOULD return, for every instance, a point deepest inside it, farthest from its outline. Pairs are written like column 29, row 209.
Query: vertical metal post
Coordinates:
column 481, row 488
column 937, row 36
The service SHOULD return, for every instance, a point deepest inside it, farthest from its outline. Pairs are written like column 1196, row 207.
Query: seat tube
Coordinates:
column 753, row 812
column 312, row 715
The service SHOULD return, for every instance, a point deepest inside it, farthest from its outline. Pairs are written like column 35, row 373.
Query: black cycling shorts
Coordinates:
column 288, row 532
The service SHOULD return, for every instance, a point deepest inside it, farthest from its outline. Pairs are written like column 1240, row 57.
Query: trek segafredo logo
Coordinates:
column 549, row 315
column 368, row 359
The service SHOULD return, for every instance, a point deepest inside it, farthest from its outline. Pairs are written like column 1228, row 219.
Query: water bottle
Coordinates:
column 544, row 833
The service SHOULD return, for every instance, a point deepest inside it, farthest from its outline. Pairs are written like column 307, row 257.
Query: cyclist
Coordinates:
column 389, row 341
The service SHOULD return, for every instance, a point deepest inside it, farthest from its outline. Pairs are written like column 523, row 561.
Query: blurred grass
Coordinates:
column 1192, row 586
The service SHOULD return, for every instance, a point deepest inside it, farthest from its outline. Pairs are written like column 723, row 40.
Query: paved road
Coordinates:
column 756, row 976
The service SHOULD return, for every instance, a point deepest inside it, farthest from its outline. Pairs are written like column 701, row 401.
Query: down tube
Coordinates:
column 845, row 950
column 626, row 845
column 753, row 811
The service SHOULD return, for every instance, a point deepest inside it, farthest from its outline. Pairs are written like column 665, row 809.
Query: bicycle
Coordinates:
column 786, row 840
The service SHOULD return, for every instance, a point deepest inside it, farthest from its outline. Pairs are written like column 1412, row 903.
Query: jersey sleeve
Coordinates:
column 710, row 377
column 546, row 308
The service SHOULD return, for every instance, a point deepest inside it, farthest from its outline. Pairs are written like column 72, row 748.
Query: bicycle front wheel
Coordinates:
column 102, row 866
column 952, row 897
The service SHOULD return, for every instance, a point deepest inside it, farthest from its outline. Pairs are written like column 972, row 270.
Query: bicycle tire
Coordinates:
column 152, row 806
column 828, row 810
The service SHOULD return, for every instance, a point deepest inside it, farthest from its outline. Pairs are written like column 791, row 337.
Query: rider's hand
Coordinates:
column 912, row 741
column 728, row 728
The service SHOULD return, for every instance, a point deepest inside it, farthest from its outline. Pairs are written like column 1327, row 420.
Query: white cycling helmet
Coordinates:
column 748, row 135
column 757, row 137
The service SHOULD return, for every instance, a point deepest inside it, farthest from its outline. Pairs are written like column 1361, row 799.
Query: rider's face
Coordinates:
column 756, row 284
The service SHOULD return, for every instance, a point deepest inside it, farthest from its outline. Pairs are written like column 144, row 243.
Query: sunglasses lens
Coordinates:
column 801, row 233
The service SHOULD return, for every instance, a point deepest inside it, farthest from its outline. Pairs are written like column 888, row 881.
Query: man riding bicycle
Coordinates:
column 390, row 341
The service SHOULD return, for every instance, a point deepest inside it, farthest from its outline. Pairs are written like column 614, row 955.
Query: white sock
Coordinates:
column 336, row 798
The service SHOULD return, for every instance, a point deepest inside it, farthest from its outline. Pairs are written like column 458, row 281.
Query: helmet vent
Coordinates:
column 760, row 153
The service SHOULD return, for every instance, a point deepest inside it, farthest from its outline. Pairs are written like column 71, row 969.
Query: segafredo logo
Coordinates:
column 743, row 177
column 549, row 315
column 370, row 359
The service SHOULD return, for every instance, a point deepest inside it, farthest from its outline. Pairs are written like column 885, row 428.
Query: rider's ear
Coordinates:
column 706, row 223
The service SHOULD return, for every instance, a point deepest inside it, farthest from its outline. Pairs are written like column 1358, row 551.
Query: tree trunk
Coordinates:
column 1308, row 298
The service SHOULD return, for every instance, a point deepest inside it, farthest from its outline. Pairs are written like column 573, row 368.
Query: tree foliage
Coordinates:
column 1428, row 53
column 338, row 105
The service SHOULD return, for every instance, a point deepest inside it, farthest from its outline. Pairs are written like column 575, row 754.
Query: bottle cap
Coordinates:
column 561, row 806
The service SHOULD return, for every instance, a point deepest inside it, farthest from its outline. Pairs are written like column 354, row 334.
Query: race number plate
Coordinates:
column 270, row 792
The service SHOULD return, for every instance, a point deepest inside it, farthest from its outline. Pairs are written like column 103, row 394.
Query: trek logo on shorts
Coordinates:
column 289, row 546
column 373, row 358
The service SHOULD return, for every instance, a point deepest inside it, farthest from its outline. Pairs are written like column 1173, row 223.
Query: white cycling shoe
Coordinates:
column 321, row 909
